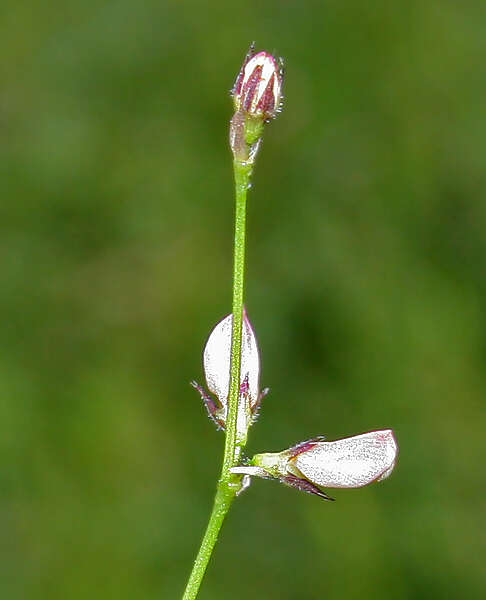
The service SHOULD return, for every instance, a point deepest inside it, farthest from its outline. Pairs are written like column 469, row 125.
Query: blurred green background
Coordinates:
column 366, row 287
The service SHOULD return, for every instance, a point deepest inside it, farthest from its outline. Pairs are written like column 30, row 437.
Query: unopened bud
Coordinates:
column 258, row 87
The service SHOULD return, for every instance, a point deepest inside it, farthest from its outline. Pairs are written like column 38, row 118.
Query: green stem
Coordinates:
column 222, row 502
column 229, row 484
column 242, row 172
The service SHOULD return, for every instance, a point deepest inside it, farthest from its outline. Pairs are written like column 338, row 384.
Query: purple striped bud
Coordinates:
column 258, row 87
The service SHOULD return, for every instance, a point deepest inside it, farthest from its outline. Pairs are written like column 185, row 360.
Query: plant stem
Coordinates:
column 242, row 172
column 222, row 502
column 229, row 484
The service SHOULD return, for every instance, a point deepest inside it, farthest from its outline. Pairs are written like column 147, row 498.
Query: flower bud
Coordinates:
column 217, row 364
column 258, row 87
column 348, row 463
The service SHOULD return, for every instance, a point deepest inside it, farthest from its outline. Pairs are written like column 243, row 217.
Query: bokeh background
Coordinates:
column 366, row 287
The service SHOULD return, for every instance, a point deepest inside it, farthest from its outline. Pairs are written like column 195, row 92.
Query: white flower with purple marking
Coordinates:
column 350, row 462
column 217, row 364
column 347, row 463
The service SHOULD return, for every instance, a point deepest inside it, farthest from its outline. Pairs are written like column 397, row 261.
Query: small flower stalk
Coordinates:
column 257, row 97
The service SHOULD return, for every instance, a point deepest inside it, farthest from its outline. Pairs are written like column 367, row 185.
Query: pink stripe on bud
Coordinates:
column 258, row 87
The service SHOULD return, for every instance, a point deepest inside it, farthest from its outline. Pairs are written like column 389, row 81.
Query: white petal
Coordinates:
column 351, row 462
column 250, row 359
column 217, row 359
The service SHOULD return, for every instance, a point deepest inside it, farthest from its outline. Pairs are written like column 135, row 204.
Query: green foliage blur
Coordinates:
column 366, row 286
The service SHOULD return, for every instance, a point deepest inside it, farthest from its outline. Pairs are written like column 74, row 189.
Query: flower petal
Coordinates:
column 350, row 462
column 217, row 359
column 250, row 360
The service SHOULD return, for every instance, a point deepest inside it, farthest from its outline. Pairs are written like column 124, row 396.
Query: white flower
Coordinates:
column 348, row 463
column 217, row 364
